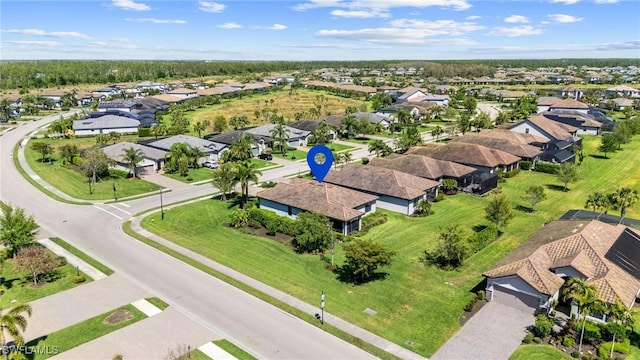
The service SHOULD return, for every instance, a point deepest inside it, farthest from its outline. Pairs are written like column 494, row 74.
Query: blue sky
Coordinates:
column 319, row 29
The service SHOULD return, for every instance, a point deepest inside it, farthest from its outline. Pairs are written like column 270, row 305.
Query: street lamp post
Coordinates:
column 322, row 308
column 115, row 195
column 161, row 206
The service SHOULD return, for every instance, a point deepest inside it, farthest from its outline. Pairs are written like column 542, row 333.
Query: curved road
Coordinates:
column 266, row 330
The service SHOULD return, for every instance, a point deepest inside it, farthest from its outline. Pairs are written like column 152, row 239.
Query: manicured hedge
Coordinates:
column 525, row 165
column 272, row 221
column 547, row 168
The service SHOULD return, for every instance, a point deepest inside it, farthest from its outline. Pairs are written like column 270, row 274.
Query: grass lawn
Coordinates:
column 414, row 303
column 199, row 174
column 86, row 258
column 157, row 302
column 82, row 332
column 538, row 352
column 339, row 147
column 265, row 164
column 22, row 291
column 237, row 352
column 364, row 141
column 293, row 155
column 75, row 184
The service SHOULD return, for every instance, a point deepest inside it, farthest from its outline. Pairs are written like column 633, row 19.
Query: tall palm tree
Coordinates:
column 194, row 154
column 621, row 314
column 378, row 147
column 15, row 323
column 177, row 159
column 132, row 157
column 624, row 198
column 321, row 133
column 246, row 171
column 403, row 116
column 346, row 157
column 437, row 131
column 241, row 150
column 159, row 130
column 5, row 107
column 586, row 297
column 280, row 136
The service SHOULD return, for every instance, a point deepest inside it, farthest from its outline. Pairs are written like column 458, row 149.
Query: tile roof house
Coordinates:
column 569, row 104
column 520, row 138
column 551, row 130
column 480, row 157
column 344, row 207
column 526, row 152
column 151, row 157
column 213, row 150
column 183, row 93
column 310, row 125
column 585, row 122
column 262, row 134
column 231, row 137
column 397, row 191
column 425, row 167
column 622, row 90
column 605, row 256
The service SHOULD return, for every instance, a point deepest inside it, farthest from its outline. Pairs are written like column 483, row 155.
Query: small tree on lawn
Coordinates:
column 224, row 178
column 314, row 232
column 624, row 198
column 619, row 318
column 42, row 148
column 68, row 151
column 499, row 211
column 14, row 322
column 568, row 173
column 16, row 228
column 36, row 261
column 533, row 195
column 423, row 208
column 364, row 257
column 608, row 144
column 95, row 162
column 452, row 248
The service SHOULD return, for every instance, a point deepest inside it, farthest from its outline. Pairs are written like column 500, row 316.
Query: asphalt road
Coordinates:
column 269, row 332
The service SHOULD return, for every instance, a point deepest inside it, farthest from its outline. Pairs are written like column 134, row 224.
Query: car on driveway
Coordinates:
column 210, row 164
column 265, row 156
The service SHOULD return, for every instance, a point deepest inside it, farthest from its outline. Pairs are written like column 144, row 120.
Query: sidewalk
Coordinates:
column 286, row 298
column 94, row 273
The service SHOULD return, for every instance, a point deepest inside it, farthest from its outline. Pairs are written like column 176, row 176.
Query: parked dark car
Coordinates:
column 265, row 156
column 210, row 164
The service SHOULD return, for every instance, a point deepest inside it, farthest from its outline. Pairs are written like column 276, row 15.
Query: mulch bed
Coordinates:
column 118, row 317
column 467, row 315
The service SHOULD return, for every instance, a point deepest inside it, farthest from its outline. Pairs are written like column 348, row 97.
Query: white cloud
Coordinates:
column 382, row 4
column 392, row 36
column 157, row 21
column 210, row 6
column 272, row 27
column 605, row 1
column 515, row 31
column 35, row 43
column 229, row 25
column 516, row 19
column 438, row 27
column 567, row 48
column 119, row 39
column 332, row 46
column 473, row 17
column 563, row 18
column 98, row 43
column 566, row 2
column 130, row 5
column 57, row 34
column 370, row 13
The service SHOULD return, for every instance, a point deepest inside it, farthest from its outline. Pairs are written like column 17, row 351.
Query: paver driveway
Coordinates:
column 493, row 333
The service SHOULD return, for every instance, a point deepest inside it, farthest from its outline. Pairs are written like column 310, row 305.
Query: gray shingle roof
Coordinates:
column 265, row 131
column 204, row 145
column 106, row 122
column 116, row 151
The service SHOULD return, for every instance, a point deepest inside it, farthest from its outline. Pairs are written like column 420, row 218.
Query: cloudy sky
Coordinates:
column 319, row 29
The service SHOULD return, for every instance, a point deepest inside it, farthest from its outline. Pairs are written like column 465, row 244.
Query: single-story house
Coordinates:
column 545, row 102
column 516, row 137
column 183, row 93
column 605, row 256
column 551, row 130
column 311, row 125
column 116, row 105
column 570, row 104
column 397, row 191
column 106, row 124
column 107, row 91
column 374, row 119
column 231, row 137
column 212, row 150
column 153, row 158
column 620, row 103
column 622, row 90
column 585, row 123
column 482, row 158
column 262, row 134
column 426, row 167
column 524, row 151
column 344, row 207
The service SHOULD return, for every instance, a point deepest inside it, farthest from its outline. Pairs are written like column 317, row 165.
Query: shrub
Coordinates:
column 548, row 168
column 568, row 341
column 119, row 173
column 605, row 349
column 484, row 237
column 449, row 185
column 528, row 338
column 575, row 354
column 144, row 132
column 77, row 161
column 272, row 226
column 364, row 161
column 423, row 208
column 542, row 326
column 372, row 220
column 473, row 301
column 62, row 260
column 79, row 279
column 525, row 165
column 439, row 197
column 511, row 173
column 482, row 295
column 281, row 224
column 254, row 224
column 537, row 340
column 268, row 184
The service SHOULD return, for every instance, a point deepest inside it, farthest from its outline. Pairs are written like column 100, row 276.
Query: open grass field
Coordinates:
column 82, row 332
column 415, row 302
column 285, row 102
column 21, row 290
column 75, row 184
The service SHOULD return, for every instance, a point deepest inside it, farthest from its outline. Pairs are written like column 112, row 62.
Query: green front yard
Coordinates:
column 76, row 184
column 339, row 147
column 293, row 155
column 203, row 173
column 539, row 352
column 415, row 302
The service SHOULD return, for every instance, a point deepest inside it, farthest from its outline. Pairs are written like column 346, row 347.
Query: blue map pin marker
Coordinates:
column 320, row 168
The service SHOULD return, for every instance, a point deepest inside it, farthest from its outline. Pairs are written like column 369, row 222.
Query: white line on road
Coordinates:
column 107, row 211
column 125, row 205
column 117, row 208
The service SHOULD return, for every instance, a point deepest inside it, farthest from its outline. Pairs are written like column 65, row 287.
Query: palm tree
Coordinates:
column 280, row 136
column 177, row 159
column 620, row 314
column 437, row 131
column 246, row 171
column 14, row 322
column 194, row 154
column 159, row 130
column 199, row 127
column 403, row 116
column 241, row 150
column 5, row 107
column 346, row 157
column 585, row 296
column 624, row 198
column 132, row 157
column 321, row 133
column 596, row 201
column 378, row 147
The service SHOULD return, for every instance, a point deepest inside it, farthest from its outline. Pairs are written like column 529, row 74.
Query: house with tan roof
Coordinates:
column 569, row 104
column 480, row 157
column 397, row 191
column 525, row 152
column 425, row 167
column 605, row 256
column 560, row 137
column 183, row 93
column 622, row 90
column 520, row 138
column 344, row 207
column 585, row 123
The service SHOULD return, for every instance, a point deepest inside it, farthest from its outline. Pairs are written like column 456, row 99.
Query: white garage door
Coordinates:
column 516, row 299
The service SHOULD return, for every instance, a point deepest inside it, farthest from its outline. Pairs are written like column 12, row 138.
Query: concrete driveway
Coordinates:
column 493, row 333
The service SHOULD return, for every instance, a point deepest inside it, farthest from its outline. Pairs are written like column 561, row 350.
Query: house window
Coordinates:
column 367, row 208
column 289, row 210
